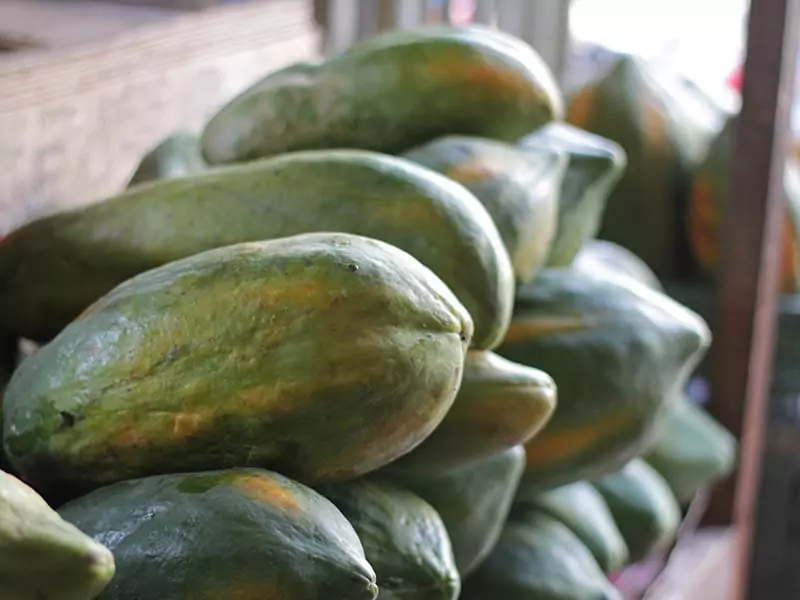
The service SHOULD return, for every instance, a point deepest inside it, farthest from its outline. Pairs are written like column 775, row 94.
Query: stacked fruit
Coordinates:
column 316, row 355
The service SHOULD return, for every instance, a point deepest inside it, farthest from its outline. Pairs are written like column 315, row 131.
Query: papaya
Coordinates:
column 8, row 362
column 617, row 351
column 473, row 501
column 610, row 259
column 42, row 555
column 633, row 107
column 582, row 509
column 539, row 558
column 403, row 537
column 240, row 533
column 499, row 405
column 692, row 451
column 646, row 512
column 708, row 203
column 391, row 93
column 519, row 189
column 177, row 155
column 594, row 167
column 270, row 354
column 55, row 267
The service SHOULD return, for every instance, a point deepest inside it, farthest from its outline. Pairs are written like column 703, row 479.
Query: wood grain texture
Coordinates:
column 75, row 122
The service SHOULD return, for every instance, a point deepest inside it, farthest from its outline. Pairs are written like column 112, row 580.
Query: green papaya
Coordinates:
column 632, row 106
column 242, row 533
column 178, row 155
column 499, row 405
column 43, row 556
column 582, row 509
column 473, row 500
column 404, row 539
column 268, row 354
column 610, row 259
column 617, row 351
column 390, row 93
column 55, row 267
column 595, row 166
column 539, row 558
column 519, row 189
column 691, row 451
column 643, row 506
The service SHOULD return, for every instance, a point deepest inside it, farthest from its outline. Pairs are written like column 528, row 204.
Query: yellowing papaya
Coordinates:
column 643, row 506
column 404, row 539
column 580, row 507
column 519, row 189
column 473, row 500
column 539, row 558
column 177, row 155
column 390, row 93
column 258, row 354
column 632, row 107
column 608, row 258
column 243, row 533
column 43, row 556
column 708, row 203
column 499, row 405
column 595, row 165
column 616, row 350
column 52, row 269
column 691, row 451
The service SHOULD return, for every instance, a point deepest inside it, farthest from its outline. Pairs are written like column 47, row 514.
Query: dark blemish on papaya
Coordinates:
column 462, row 336
column 353, row 268
column 67, row 420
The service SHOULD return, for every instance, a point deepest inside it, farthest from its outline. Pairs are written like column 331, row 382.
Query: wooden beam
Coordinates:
column 747, row 297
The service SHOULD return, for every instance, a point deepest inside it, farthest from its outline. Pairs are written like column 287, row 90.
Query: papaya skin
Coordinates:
column 499, row 405
column 519, row 188
column 177, row 155
column 55, row 267
column 617, row 350
column 404, row 539
column 243, row 534
column 268, row 354
column 42, row 555
column 391, row 93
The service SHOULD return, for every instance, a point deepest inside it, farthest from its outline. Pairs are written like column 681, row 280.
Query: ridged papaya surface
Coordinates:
column 41, row 555
column 617, row 351
column 390, row 93
column 582, row 508
column 266, row 354
column 243, row 534
column 539, row 558
column 602, row 257
column 404, row 539
column 692, row 451
column 499, row 405
column 473, row 500
column 54, row 268
column 595, row 165
column 177, row 155
column 644, row 212
column 708, row 204
column 643, row 507
column 520, row 189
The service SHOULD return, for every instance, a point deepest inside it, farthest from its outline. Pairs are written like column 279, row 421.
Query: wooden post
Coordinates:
column 747, row 300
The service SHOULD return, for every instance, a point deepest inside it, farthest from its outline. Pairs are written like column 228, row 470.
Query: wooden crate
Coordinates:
column 77, row 116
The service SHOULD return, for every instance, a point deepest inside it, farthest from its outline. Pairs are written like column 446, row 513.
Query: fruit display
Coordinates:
column 353, row 340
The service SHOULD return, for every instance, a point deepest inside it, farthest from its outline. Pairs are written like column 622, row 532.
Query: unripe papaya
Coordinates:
column 258, row 354
column 42, row 555
column 390, row 93
column 608, row 258
column 519, row 188
column 53, row 268
column 499, row 405
column 177, row 155
column 617, row 352
column 240, row 533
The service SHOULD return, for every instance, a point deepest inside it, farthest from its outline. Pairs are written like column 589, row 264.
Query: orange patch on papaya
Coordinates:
column 654, row 127
column 185, row 425
column 580, row 108
column 703, row 222
column 788, row 257
column 485, row 76
column 474, row 169
column 528, row 329
column 550, row 445
column 267, row 491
